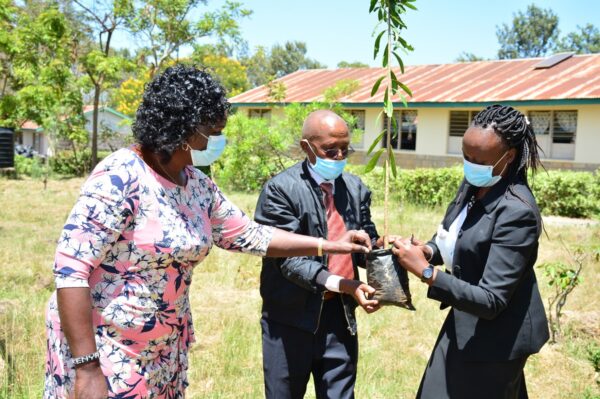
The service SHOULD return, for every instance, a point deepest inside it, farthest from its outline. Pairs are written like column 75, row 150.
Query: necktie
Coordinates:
column 338, row 264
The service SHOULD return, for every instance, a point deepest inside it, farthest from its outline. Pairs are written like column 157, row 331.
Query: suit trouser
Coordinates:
column 290, row 355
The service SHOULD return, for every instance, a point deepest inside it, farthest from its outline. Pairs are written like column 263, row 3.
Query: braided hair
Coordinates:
column 516, row 132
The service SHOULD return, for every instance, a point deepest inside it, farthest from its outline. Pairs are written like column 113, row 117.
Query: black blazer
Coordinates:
column 293, row 201
column 492, row 287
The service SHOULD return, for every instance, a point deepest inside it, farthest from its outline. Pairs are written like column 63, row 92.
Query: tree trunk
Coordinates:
column 97, row 90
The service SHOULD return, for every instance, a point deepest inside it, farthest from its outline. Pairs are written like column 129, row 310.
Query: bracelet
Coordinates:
column 86, row 358
column 320, row 247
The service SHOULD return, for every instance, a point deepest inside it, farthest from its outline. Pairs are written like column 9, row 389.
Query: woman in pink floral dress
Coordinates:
column 119, row 323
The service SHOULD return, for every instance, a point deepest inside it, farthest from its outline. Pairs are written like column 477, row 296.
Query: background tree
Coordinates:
column 230, row 71
column 354, row 64
column 163, row 27
column 532, row 33
column 468, row 57
column 265, row 65
column 584, row 41
column 39, row 50
column 102, row 67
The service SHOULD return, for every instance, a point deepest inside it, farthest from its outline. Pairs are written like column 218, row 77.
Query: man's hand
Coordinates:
column 90, row 382
column 361, row 293
column 351, row 241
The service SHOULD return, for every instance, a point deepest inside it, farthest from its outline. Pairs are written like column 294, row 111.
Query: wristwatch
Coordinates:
column 427, row 274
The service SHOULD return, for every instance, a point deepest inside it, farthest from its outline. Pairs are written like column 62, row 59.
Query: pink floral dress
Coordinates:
column 133, row 238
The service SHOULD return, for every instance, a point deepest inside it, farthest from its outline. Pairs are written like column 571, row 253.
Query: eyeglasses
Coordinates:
column 334, row 152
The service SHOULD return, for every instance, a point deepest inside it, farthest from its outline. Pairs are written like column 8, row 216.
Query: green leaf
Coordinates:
column 372, row 6
column 377, row 41
column 392, row 159
column 388, row 104
column 407, row 4
column 376, row 141
column 373, row 161
column 385, row 56
column 376, row 86
column 405, row 88
column 400, row 62
column 394, row 82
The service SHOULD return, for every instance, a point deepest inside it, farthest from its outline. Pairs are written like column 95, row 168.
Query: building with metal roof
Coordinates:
column 560, row 95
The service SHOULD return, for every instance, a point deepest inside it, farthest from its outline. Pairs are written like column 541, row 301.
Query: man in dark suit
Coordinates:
column 308, row 322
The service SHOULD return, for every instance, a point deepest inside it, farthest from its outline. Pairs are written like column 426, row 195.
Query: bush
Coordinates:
column 254, row 154
column 560, row 193
column 567, row 193
column 68, row 163
column 429, row 187
column 32, row 167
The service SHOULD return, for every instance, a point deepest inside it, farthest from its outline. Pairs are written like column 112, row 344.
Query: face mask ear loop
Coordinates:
column 186, row 147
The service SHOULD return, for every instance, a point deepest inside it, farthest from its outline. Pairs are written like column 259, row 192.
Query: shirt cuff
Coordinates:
column 333, row 283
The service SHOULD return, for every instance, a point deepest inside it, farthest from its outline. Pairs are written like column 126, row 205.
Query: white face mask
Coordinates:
column 214, row 149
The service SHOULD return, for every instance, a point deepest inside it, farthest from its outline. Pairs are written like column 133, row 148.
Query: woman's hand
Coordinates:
column 361, row 293
column 411, row 257
column 427, row 252
column 90, row 382
column 351, row 241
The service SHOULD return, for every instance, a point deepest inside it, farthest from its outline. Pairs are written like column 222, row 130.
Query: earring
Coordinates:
column 186, row 147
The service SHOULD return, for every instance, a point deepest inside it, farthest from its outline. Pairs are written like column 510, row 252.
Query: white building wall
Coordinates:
column 587, row 140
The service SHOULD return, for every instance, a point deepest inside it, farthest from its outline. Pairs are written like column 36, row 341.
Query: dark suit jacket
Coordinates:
column 293, row 201
column 492, row 288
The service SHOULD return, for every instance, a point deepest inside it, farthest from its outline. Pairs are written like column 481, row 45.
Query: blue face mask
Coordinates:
column 214, row 149
column 328, row 169
column 481, row 175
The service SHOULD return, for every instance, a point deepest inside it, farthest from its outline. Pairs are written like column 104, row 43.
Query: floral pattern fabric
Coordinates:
column 133, row 238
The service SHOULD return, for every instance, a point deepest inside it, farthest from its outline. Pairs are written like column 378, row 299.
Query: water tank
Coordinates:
column 7, row 147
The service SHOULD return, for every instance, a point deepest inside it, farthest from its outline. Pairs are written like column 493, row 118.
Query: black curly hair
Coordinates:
column 516, row 132
column 175, row 103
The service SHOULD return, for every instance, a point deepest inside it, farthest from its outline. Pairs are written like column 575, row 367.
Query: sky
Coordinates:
column 440, row 30
column 341, row 30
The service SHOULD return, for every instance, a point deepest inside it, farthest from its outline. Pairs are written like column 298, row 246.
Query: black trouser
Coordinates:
column 290, row 355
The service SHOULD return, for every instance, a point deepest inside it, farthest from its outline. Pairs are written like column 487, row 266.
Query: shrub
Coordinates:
column 69, row 163
column 567, row 193
column 561, row 193
column 429, row 187
column 254, row 153
column 32, row 167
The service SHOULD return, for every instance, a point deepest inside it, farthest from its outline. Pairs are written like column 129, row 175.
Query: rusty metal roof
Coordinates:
column 575, row 78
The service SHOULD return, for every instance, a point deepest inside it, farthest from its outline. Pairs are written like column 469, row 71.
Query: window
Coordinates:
column 259, row 113
column 404, row 134
column 460, row 122
column 560, row 125
column 565, row 126
column 555, row 132
column 358, row 138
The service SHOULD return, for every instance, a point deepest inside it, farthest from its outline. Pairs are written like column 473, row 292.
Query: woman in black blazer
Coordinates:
column 488, row 241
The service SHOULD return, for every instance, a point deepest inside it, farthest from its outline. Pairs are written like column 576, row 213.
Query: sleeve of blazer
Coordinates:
column 513, row 242
column 274, row 208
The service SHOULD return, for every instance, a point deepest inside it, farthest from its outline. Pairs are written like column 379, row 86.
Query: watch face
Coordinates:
column 428, row 273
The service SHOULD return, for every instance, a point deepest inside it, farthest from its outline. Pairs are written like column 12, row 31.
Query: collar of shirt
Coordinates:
column 318, row 179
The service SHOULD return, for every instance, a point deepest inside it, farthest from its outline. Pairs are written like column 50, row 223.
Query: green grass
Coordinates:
column 226, row 362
